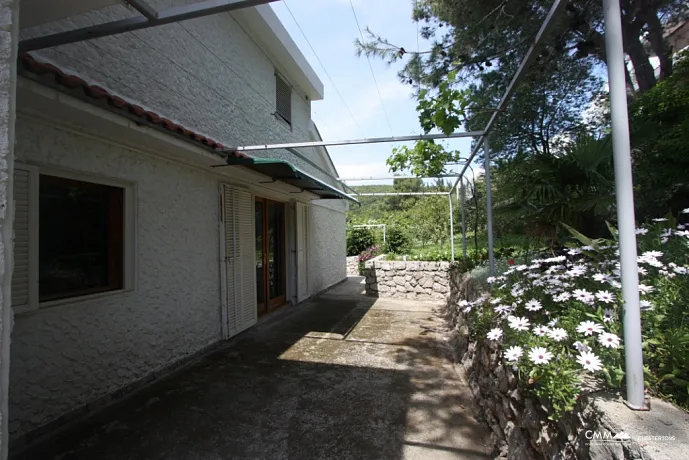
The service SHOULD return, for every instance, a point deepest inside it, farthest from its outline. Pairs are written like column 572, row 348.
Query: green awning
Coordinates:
column 286, row 172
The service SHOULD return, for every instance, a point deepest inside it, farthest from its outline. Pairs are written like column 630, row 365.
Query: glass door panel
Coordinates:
column 270, row 254
column 260, row 256
column 276, row 253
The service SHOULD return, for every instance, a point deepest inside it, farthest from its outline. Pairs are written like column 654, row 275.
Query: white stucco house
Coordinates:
column 139, row 238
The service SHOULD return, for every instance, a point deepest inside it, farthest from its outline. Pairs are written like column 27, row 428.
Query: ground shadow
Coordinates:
column 246, row 400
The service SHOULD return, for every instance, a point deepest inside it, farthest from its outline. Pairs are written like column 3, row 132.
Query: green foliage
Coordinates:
column 575, row 187
column 425, row 159
column 397, row 240
column 659, row 123
column 358, row 240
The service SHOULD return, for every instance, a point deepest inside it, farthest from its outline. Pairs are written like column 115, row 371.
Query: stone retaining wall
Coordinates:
column 408, row 280
column 353, row 266
column 519, row 424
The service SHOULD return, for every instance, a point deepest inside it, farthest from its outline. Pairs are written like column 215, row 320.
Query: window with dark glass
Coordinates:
column 81, row 238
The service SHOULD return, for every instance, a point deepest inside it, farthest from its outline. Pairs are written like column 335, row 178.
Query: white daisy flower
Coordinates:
column 490, row 279
column 642, row 270
column 521, row 268
column 539, row 355
column 609, row 340
column 562, row 297
column 587, row 248
column 605, row 296
column 467, row 309
column 574, row 251
column 616, row 284
column 533, row 305
column 496, row 300
column 581, row 294
column 685, row 211
column 463, row 303
column 601, row 278
column 518, row 323
column 682, row 233
column 660, row 219
column 502, row 309
column 641, row 231
column 589, row 327
column 609, row 315
column 589, row 361
column 540, row 331
column 644, row 289
column 652, row 254
column 552, row 323
column 581, row 346
column 645, row 305
column 513, row 353
column 495, row 334
column 557, row 334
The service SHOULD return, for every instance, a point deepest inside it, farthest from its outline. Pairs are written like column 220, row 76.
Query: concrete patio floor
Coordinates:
column 343, row 376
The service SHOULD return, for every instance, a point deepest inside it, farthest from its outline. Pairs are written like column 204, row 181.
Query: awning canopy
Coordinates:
column 286, row 172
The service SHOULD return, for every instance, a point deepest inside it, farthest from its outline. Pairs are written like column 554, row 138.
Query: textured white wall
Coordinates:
column 206, row 73
column 9, row 18
column 327, row 244
column 70, row 354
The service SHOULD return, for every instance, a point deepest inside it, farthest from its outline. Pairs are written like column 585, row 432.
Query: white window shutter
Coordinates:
column 25, row 271
column 302, row 252
column 240, row 263
column 231, row 259
column 247, row 314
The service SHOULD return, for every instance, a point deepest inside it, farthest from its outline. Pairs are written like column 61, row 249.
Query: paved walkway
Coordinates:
column 340, row 377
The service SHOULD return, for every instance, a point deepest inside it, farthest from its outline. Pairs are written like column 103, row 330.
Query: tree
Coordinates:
column 402, row 202
column 471, row 36
column 575, row 187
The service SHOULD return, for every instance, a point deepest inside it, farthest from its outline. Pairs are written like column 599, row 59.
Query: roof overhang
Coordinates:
column 266, row 29
column 280, row 170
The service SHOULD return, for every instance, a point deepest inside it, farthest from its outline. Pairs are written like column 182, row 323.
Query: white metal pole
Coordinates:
column 625, row 205
column 370, row 140
column 489, row 207
column 452, row 229
column 464, row 225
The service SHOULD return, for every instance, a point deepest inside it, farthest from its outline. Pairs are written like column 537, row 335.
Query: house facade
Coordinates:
column 140, row 238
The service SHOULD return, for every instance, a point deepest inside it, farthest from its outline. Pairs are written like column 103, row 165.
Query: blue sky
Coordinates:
column 331, row 29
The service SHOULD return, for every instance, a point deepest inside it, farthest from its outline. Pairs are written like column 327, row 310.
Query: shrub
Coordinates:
column 365, row 255
column 397, row 240
column 358, row 240
column 557, row 319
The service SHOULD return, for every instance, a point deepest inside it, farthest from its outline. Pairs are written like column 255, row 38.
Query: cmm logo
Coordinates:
column 606, row 436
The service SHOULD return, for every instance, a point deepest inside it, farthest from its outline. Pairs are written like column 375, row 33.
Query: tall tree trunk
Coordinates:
column 659, row 45
column 643, row 70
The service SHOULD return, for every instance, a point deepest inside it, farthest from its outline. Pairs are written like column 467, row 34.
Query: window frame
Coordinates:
column 128, row 235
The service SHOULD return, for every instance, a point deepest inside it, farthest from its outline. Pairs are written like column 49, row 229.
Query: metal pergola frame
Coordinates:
column 149, row 17
column 623, row 178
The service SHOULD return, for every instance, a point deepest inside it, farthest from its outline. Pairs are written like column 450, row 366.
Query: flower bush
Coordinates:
column 365, row 255
column 557, row 319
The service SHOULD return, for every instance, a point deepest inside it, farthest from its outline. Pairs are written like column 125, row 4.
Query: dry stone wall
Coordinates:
column 408, row 280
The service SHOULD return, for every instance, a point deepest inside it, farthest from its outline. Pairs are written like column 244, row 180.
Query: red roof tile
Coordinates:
column 73, row 82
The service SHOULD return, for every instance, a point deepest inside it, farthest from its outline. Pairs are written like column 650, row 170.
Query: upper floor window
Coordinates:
column 283, row 99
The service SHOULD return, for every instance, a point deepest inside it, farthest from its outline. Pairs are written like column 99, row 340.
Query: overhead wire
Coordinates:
column 370, row 66
column 284, row 2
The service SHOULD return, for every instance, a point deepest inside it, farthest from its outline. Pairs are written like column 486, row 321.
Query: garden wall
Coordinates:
column 352, row 266
column 408, row 280
column 520, row 427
